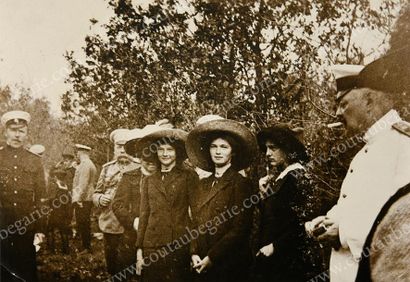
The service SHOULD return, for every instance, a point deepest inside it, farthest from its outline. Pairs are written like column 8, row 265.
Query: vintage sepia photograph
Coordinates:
column 204, row 140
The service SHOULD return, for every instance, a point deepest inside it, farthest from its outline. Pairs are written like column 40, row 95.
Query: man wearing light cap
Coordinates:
column 83, row 188
column 22, row 185
column 104, row 193
column 365, row 99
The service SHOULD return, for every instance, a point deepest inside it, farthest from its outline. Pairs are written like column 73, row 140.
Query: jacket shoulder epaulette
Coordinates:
column 32, row 153
column 403, row 127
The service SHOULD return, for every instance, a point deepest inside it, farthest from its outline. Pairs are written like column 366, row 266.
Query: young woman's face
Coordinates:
column 166, row 154
column 276, row 157
column 221, row 152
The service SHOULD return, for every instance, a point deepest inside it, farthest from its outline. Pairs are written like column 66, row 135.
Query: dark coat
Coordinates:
column 164, row 209
column 164, row 222
column 61, row 215
column 224, row 225
column 283, row 212
column 126, row 203
column 22, row 186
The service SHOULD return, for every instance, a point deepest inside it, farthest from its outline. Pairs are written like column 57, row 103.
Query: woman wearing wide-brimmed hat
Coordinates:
column 221, row 252
column 281, row 253
column 164, row 213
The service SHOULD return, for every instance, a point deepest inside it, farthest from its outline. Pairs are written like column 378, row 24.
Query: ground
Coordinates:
column 72, row 267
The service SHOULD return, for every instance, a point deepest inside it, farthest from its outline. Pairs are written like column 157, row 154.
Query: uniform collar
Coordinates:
column 13, row 148
column 382, row 125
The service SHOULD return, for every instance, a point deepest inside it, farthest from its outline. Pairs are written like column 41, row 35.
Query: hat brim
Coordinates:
column 286, row 140
column 147, row 145
column 199, row 137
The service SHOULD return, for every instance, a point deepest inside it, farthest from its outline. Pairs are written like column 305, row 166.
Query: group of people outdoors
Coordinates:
column 181, row 206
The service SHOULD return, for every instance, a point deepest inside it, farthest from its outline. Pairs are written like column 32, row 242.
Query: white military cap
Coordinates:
column 346, row 78
column 82, row 147
column 120, row 136
column 37, row 149
column 15, row 117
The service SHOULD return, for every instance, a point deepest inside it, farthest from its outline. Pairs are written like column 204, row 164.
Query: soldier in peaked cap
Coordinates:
column 107, row 184
column 22, row 186
column 83, row 188
column 376, row 172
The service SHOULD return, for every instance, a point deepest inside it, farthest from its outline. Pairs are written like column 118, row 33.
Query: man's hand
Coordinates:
column 203, row 265
column 80, row 204
column 331, row 236
column 267, row 250
column 311, row 226
column 104, row 200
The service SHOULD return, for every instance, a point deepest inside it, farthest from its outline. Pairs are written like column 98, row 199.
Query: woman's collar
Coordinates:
column 288, row 169
column 219, row 171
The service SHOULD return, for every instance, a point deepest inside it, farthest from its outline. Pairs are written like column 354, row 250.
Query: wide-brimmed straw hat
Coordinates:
column 199, row 139
column 148, row 145
column 283, row 137
column 145, row 142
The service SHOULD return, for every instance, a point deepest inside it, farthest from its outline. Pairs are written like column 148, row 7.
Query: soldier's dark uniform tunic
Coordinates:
column 22, row 185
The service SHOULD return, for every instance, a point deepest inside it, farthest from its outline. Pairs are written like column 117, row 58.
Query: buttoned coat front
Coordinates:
column 164, row 208
column 377, row 171
column 22, row 185
column 222, row 214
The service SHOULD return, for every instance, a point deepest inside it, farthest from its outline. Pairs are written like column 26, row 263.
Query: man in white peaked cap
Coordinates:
column 22, row 186
column 107, row 184
column 83, row 188
column 376, row 172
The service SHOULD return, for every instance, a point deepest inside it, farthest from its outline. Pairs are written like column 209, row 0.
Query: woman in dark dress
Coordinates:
column 164, row 213
column 221, row 252
column 284, row 251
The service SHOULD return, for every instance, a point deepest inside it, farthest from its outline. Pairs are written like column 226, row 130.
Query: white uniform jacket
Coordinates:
column 377, row 171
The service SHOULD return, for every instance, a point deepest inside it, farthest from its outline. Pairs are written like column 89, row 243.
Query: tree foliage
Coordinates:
column 257, row 62
column 44, row 128
column 400, row 36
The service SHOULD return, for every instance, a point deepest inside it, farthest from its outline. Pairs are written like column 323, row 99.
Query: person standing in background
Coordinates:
column 83, row 188
column 22, row 187
column 111, row 174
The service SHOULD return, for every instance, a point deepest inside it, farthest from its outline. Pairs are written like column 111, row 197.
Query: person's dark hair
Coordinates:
column 228, row 138
column 285, row 139
column 178, row 145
